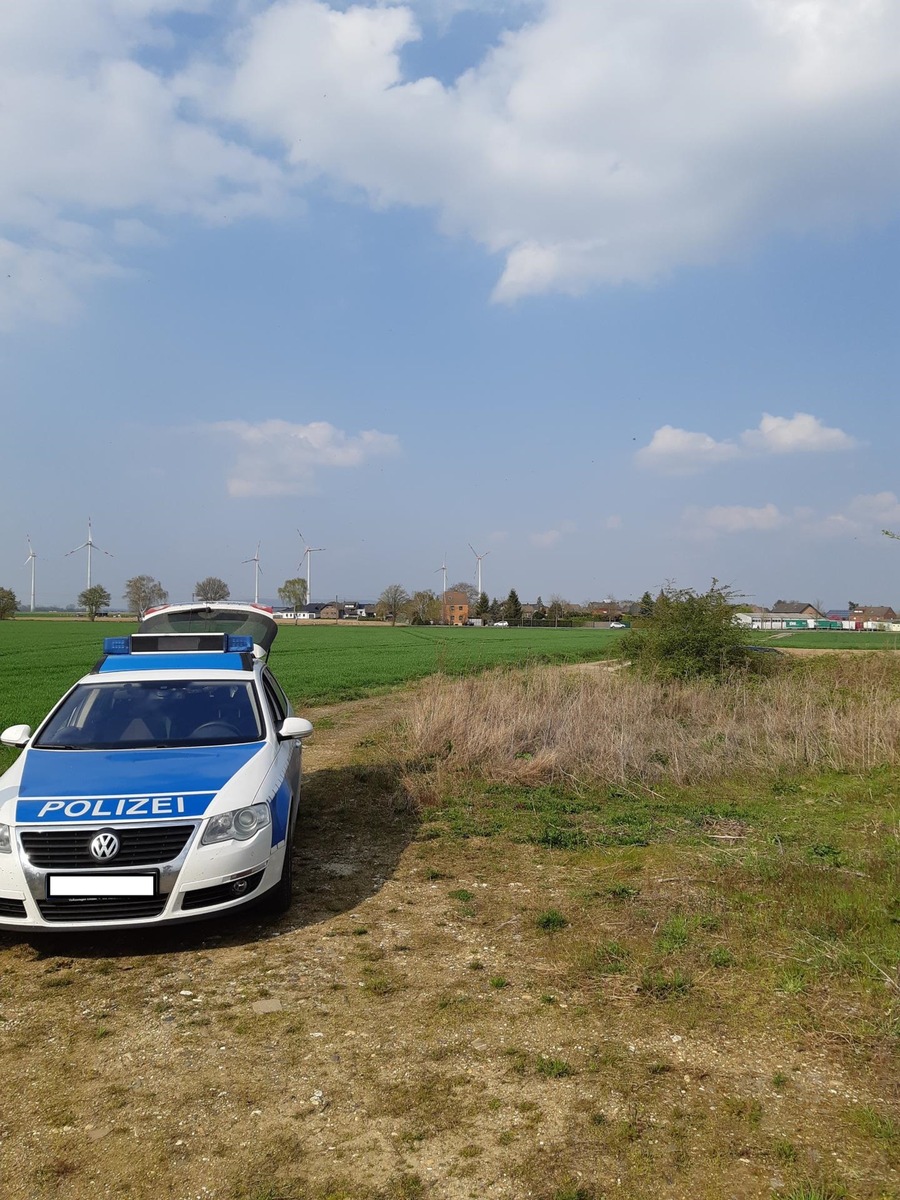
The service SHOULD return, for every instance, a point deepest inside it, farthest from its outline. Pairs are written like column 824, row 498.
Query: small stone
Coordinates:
column 269, row 1005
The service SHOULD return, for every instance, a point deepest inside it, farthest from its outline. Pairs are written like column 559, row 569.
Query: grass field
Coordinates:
column 826, row 639
column 316, row 664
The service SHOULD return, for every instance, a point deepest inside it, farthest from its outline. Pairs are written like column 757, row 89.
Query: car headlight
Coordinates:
column 5, row 840
column 239, row 824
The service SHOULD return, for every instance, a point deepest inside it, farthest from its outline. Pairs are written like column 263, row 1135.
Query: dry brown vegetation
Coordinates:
column 605, row 726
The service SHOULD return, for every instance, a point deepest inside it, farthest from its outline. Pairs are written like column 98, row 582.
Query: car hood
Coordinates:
column 92, row 785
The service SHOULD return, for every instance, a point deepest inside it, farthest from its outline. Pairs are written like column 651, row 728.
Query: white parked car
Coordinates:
column 163, row 787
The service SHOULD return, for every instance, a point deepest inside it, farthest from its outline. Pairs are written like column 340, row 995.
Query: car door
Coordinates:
column 289, row 752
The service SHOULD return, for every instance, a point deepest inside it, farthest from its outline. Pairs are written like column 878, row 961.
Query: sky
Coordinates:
column 605, row 289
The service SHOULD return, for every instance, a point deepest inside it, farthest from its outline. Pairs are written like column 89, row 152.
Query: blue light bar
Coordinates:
column 238, row 643
column 117, row 645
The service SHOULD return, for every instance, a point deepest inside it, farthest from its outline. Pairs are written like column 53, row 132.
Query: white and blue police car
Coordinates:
column 162, row 788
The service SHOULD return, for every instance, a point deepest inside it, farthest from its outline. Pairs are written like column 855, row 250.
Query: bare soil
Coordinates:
column 409, row 1031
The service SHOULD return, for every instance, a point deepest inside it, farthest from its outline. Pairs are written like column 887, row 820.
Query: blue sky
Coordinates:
column 607, row 289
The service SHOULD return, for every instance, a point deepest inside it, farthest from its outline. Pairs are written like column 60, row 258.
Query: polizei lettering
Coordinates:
column 106, row 810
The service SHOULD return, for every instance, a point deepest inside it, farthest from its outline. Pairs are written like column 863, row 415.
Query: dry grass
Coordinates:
column 543, row 726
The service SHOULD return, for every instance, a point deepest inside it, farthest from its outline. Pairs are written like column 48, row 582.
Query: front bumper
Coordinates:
column 194, row 882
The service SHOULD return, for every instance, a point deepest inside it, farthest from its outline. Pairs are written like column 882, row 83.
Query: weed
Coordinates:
column 622, row 891
column 784, row 1152
column 609, row 958
column 674, row 934
column 461, row 894
column 498, row 981
column 574, row 1191
column 476, row 965
column 779, row 1080
column 792, row 982
column 876, row 1124
column 815, row 1191
column 721, row 956
column 664, row 985
column 551, row 921
column 553, row 1068
column 825, row 852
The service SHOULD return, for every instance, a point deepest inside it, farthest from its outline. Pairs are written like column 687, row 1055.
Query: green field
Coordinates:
column 319, row 664
column 826, row 639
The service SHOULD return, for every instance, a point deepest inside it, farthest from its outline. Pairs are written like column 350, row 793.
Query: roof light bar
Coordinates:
column 179, row 643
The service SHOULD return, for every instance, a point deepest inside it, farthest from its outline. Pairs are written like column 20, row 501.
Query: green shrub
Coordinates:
column 692, row 635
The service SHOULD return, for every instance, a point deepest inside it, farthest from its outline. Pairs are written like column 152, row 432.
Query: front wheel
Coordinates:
column 278, row 899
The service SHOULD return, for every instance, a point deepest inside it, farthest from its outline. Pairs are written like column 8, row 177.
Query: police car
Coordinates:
column 162, row 788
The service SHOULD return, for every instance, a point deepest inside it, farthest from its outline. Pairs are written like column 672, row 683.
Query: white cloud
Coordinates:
column 790, row 435
column 90, row 138
column 545, row 540
column 277, row 458
column 675, row 451
column 877, row 509
column 596, row 142
column 735, row 518
column 680, row 452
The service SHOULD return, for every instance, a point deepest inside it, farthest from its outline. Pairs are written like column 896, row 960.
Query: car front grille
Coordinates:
column 121, row 908
column 64, row 849
column 12, row 908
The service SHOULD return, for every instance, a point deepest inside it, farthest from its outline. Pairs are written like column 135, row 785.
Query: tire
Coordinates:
column 277, row 900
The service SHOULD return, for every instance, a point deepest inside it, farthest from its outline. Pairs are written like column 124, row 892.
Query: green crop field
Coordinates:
column 317, row 664
column 827, row 639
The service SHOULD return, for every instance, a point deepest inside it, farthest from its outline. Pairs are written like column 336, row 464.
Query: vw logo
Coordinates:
column 104, row 846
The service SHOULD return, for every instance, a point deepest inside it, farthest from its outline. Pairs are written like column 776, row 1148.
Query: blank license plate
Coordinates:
column 101, row 886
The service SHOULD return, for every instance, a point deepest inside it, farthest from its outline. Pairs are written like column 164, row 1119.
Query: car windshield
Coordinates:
column 131, row 716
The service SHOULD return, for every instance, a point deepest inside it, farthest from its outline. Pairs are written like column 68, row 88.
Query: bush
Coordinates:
column 691, row 635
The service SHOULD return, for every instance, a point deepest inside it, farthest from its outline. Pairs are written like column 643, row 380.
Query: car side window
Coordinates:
column 275, row 701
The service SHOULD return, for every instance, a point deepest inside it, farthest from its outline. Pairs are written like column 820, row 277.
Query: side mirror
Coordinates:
column 294, row 727
column 18, row 735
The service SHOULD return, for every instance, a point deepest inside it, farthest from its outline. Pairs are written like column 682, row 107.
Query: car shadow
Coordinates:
column 353, row 826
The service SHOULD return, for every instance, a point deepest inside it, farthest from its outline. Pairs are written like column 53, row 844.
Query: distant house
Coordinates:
column 873, row 612
column 838, row 614
column 795, row 609
column 310, row 612
column 455, row 608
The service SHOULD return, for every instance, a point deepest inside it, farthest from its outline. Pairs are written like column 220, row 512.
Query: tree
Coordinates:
column 292, row 594
column 470, row 591
column 494, row 609
column 8, row 604
column 93, row 599
column 482, row 605
column 646, row 609
column 512, row 609
column 211, row 589
column 144, row 592
column 424, row 608
column 691, row 635
column 391, row 601
column 556, row 608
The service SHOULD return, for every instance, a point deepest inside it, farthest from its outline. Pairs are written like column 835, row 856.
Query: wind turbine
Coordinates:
column 90, row 545
column 255, row 559
column 478, row 558
column 443, row 567
column 30, row 559
column 307, row 554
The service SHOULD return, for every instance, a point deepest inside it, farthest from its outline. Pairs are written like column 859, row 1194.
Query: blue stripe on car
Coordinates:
column 171, row 662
